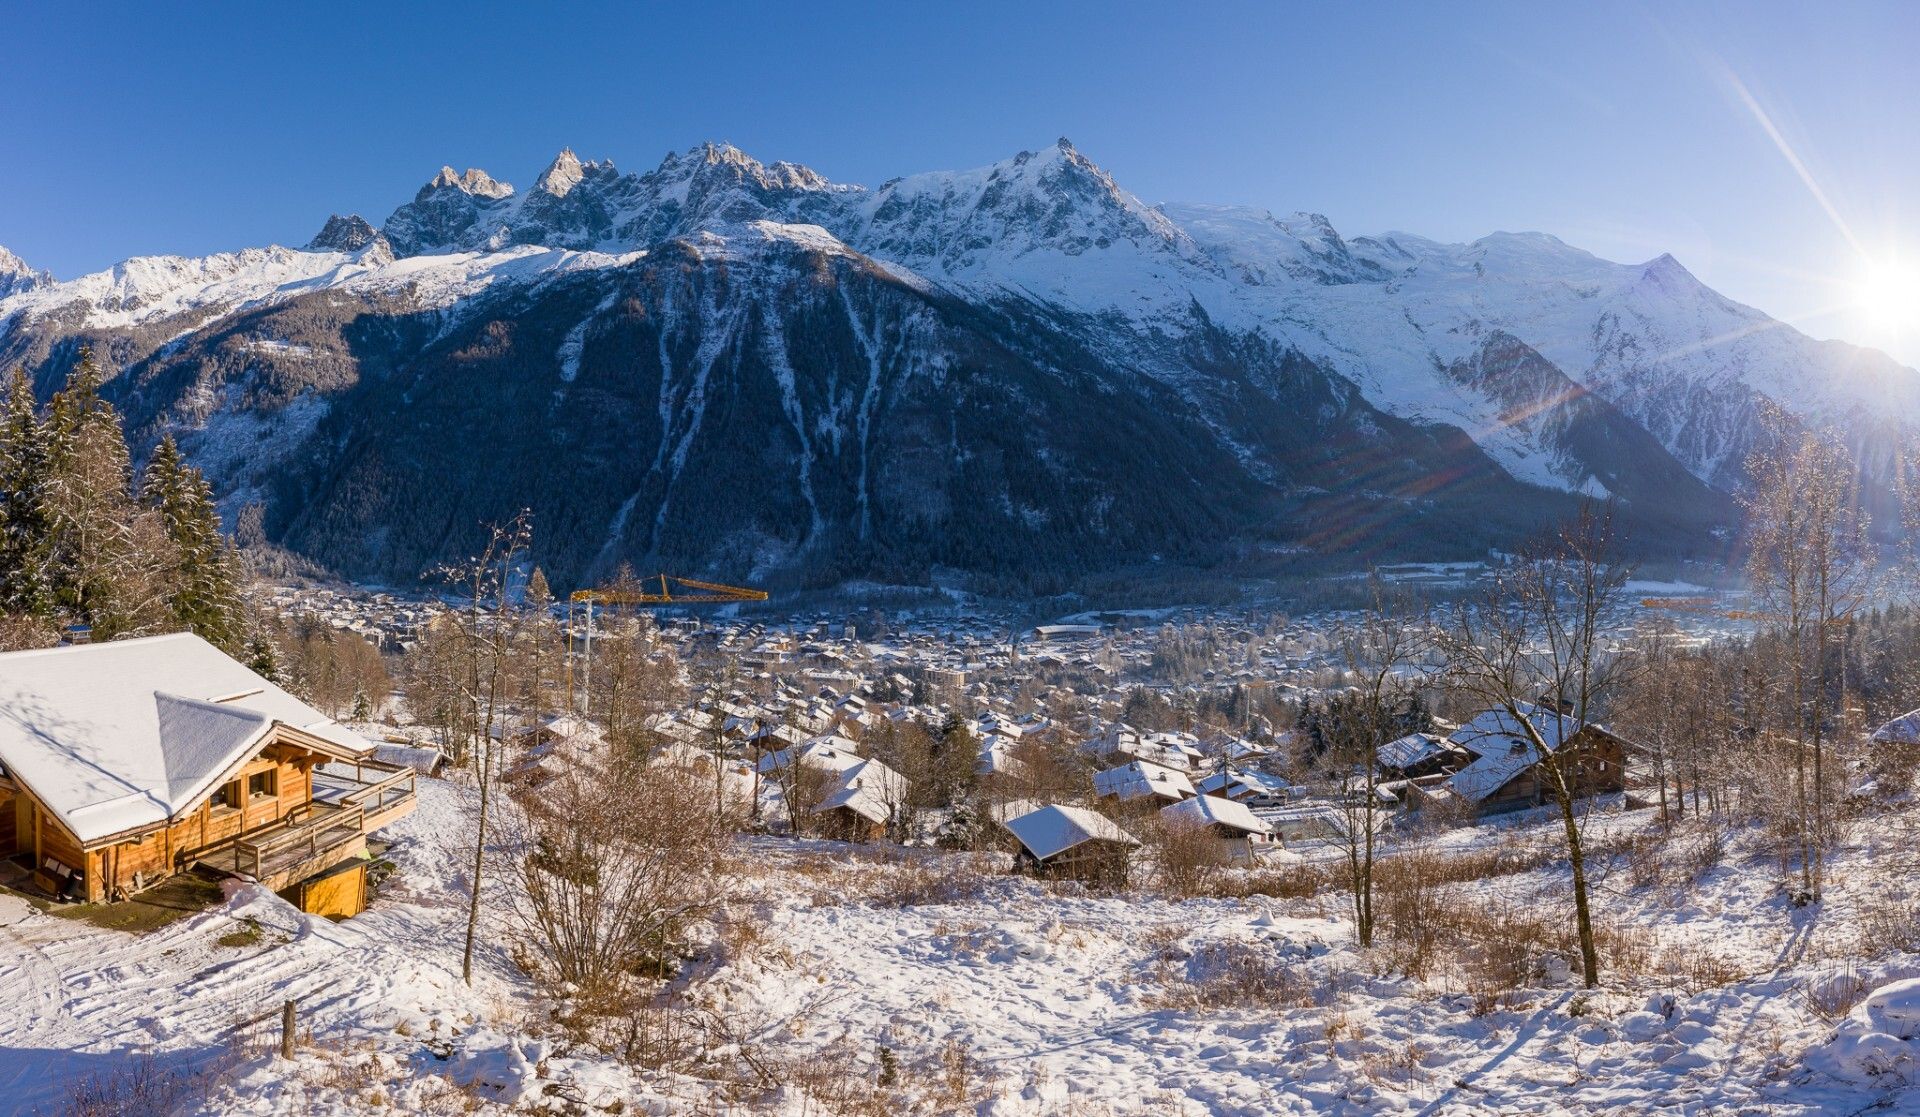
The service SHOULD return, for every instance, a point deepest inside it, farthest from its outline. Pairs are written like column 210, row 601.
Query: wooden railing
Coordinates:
column 377, row 791
column 303, row 836
column 314, row 828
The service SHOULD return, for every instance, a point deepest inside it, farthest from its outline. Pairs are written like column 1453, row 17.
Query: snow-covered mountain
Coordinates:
column 1022, row 371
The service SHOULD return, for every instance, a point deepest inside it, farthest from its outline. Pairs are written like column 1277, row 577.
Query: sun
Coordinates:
column 1889, row 295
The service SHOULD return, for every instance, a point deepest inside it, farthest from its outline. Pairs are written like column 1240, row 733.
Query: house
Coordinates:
column 1141, row 779
column 859, row 806
column 1306, row 823
column 1072, row 843
column 1420, row 754
column 1504, row 775
column 1232, row 823
column 1255, row 789
column 124, row 763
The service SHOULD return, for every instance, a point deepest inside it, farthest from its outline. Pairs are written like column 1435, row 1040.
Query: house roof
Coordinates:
column 1138, row 778
column 1504, row 749
column 1053, row 830
column 123, row 735
column 1405, row 752
column 1229, row 780
column 1219, row 811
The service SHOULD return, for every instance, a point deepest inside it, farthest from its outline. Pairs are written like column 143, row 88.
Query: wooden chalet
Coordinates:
column 1504, row 774
column 1072, row 843
column 1239, row 831
column 124, row 763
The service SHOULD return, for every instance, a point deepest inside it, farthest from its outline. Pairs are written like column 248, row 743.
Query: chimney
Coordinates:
column 76, row 634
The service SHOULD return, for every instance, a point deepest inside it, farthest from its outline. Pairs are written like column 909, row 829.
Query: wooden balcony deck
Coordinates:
column 323, row 833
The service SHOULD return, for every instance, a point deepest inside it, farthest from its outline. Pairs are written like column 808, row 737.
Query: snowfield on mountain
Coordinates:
column 919, row 362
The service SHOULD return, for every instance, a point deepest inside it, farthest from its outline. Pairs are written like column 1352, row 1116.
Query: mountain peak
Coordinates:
column 475, row 182
column 562, row 175
column 350, row 233
column 11, row 264
column 17, row 275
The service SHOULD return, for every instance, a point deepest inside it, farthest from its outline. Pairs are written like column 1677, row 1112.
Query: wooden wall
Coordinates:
column 9, row 824
column 160, row 853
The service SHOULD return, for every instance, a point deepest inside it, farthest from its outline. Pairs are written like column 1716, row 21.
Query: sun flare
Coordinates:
column 1889, row 295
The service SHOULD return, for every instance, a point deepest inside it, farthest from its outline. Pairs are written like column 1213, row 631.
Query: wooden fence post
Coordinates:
column 286, row 1030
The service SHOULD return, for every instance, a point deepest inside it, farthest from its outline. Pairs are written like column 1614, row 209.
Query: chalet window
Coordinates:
column 262, row 785
column 228, row 797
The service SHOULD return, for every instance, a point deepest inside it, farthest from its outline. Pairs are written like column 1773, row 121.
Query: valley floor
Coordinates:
column 971, row 991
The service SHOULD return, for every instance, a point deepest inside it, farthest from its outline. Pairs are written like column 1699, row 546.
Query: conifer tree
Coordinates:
column 24, row 559
column 98, row 574
column 204, row 584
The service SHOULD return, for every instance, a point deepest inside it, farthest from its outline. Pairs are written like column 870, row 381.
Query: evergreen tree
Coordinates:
column 24, row 542
column 98, row 574
column 204, row 584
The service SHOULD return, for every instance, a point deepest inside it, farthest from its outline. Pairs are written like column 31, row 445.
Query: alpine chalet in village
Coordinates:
column 124, row 763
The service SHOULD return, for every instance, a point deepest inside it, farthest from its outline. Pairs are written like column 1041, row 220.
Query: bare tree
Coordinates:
column 1538, row 636
column 1383, row 649
column 611, row 859
column 1810, row 565
column 479, row 640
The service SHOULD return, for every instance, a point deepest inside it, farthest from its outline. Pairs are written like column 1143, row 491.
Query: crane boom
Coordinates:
column 691, row 592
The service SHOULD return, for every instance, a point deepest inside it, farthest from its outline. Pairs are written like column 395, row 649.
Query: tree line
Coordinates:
column 85, row 540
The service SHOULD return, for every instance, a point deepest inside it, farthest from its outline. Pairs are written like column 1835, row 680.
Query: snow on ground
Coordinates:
column 1017, row 999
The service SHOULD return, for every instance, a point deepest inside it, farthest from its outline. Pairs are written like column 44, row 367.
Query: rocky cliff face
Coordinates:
column 1022, row 374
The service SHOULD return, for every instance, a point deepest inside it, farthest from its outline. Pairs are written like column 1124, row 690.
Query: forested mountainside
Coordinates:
column 1022, row 375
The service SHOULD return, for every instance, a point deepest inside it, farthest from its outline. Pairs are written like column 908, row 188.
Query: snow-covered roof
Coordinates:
column 1138, row 778
column 1405, row 752
column 1217, row 810
column 869, row 789
column 1504, row 749
column 816, row 753
column 1242, row 781
column 122, row 735
column 1053, row 830
column 1903, row 730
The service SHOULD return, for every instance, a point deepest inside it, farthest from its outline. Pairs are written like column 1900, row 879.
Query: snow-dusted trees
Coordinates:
column 25, row 567
column 204, row 592
column 78, row 543
column 1536, row 648
column 1810, row 563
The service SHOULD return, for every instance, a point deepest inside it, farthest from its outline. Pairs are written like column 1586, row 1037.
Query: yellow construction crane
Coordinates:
column 692, row 592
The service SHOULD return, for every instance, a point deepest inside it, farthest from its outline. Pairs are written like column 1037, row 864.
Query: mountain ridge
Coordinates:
column 1557, row 372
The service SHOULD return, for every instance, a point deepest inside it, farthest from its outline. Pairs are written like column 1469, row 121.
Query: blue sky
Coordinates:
column 1626, row 129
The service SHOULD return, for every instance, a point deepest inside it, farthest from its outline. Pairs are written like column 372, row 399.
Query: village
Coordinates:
column 972, row 838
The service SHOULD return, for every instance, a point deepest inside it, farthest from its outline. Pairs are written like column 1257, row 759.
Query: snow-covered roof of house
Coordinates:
column 869, row 789
column 816, row 753
column 997, row 759
column 1405, row 752
column 1504, row 749
column 1903, row 730
column 1053, row 830
column 122, row 735
column 1218, row 810
column 1240, row 779
column 1138, row 778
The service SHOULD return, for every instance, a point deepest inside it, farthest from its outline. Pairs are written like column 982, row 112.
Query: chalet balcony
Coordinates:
column 320, row 834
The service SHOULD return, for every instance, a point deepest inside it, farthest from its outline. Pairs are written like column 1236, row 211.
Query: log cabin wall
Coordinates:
column 159, row 853
column 9, row 822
